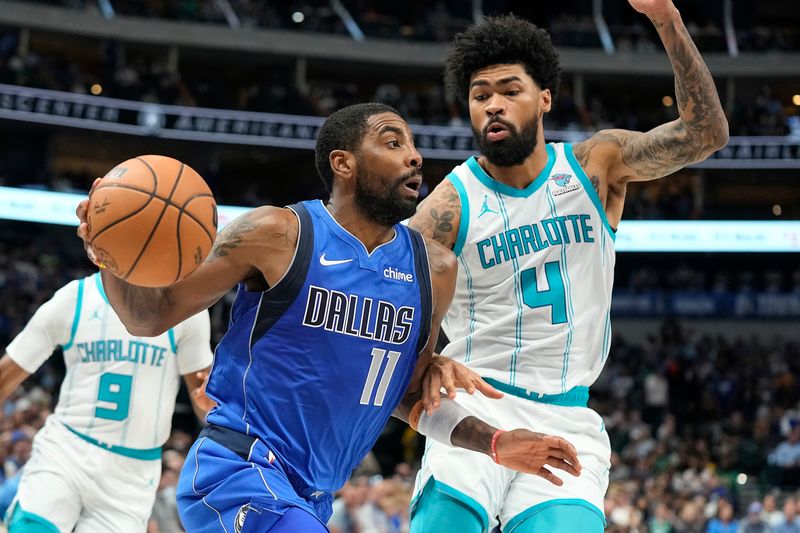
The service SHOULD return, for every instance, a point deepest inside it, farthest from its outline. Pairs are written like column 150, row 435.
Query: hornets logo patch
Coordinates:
column 562, row 181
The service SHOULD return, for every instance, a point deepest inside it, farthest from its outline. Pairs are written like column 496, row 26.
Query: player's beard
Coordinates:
column 512, row 150
column 379, row 199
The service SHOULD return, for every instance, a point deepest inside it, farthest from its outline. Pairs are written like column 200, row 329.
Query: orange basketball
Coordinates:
column 152, row 220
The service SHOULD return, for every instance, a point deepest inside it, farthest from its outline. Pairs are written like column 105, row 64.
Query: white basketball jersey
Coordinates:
column 119, row 390
column 536, row 267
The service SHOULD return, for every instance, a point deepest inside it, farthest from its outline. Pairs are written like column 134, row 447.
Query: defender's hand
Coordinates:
column 655, row 10
column 444, row 372
column 199, row 395
column 83, row 226
column 526, row 451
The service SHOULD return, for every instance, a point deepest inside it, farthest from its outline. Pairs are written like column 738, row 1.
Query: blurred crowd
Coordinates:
column 570, row 22
column 148, row 77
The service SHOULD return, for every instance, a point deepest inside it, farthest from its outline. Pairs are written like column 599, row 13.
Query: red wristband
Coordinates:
column 494, row 445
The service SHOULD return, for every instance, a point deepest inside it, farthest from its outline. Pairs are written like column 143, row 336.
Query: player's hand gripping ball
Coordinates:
column 151, row 221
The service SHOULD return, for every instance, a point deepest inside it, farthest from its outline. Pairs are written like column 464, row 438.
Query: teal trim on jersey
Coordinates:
column 99, row 281
column 463, row 222
column 568, row 293
column 575, row 397
column 147, row 454
column 434, row 490
column 77, row 318
column 171, row 335
column 606, row 337
column 589, row 188
column 517, row 293
column 502, row 188
column 565, row 515
column 22, row 521
column 471, row 295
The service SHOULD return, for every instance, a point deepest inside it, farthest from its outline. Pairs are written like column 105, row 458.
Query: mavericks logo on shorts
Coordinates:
column 238, row 522
column 562, row 181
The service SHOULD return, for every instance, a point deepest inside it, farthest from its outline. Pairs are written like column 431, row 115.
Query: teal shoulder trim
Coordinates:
column 22, row 520
column 502, row 188
column 171, row 335
column 77, row 317
column 463, row 221
column 575, row 397
column 589, row 188
column 527, row 513
column 147, row 454
column 99, row 281
column 437, row 488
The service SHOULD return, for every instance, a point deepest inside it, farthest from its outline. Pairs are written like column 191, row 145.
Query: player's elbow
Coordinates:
column 716, row 134
column 719, row 135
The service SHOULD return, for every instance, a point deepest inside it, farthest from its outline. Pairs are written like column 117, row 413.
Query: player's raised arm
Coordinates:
column 439, row 215
column 256, row 248
column 701, row 129
column 440, row 418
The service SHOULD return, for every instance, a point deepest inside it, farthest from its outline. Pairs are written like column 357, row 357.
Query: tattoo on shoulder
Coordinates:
column 443, row 222
column 596, row 184
column 232, row 236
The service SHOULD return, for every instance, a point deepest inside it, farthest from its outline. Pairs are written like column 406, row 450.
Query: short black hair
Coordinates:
column 344, row 130
column 502, row 40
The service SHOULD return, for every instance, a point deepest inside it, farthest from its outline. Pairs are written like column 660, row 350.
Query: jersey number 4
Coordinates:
column 554, row 297
column 378, row 356
column 114, row 389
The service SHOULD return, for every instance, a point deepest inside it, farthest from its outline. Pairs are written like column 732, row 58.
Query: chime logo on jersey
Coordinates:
column 357, row 316
column 562, row 181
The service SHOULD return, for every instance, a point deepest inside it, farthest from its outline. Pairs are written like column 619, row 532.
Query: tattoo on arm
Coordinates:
column 701, row 129
column 437, row 214
column 232, row 236
column 473, row 434
column 444, row 223
column 596, row 184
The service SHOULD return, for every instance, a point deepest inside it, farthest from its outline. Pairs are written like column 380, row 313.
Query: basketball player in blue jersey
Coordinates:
column 331, row 333
column 533, row 227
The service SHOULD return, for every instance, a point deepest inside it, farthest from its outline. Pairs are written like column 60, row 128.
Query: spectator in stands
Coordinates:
column 791, row 523
column 754, row 523
column 724, row 522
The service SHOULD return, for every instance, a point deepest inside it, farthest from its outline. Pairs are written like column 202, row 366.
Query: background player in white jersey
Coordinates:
column 96, row 462
column 533, row 227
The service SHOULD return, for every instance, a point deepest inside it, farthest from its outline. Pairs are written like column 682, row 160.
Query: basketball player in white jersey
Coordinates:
column 533, row 226
column 96, row 463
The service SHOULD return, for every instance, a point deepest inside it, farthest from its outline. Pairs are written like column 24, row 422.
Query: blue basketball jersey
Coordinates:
column 315, row 365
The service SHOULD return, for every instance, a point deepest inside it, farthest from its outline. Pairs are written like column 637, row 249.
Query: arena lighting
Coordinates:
column 47, row 207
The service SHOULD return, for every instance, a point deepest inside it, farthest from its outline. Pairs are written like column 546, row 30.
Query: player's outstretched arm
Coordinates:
column 439, row 215
column 255, row 248
column 441, row 418
column 701, row 129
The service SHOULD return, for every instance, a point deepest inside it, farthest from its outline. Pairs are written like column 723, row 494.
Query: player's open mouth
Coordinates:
column 497, row 132
column 413, row 184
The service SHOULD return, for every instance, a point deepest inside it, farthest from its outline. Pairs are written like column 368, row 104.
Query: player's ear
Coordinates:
column 546, row 100
column 343, row 164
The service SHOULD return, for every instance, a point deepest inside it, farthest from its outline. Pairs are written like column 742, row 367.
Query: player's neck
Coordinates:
column 518, row 176
column 365, row 230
